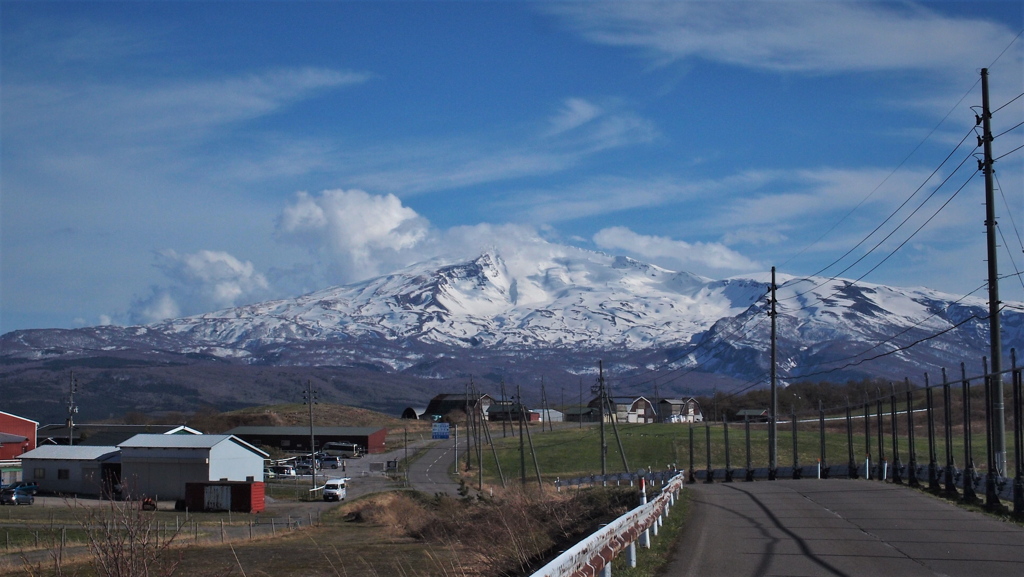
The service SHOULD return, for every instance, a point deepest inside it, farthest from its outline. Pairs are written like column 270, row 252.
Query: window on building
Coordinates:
column 39, row 473
column 63, row 474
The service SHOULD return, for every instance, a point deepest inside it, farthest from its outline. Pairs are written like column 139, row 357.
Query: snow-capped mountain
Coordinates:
column 570, row 306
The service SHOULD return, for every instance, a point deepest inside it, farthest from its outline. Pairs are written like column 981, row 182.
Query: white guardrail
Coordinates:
column 593, row 555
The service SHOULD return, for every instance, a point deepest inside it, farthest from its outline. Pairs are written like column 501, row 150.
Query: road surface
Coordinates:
column 839, row 527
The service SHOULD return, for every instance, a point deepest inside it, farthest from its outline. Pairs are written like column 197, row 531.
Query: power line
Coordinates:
column 1019, row 124
column 1008, row 153
column 890, row 217
column 1007, row 104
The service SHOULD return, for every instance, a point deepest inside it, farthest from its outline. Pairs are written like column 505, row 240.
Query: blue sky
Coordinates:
column 169, row 158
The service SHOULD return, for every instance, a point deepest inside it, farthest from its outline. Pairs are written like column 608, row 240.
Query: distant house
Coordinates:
column 17, row 436
column 581, row 414
column 679, row 411
column 551, row 416
column 296, row 439
column 105, row 435
column 159, row 466
column 627, row 409
column 510, row 411
column 754, row 415
column 441, row 405
column 73, row 470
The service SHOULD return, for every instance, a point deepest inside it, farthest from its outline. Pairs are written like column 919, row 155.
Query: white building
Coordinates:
column 71, row 470
column 159, row 465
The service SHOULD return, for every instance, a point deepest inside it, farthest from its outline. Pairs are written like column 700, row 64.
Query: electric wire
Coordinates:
column 1018, row 125
column 1008, row 153
column 1009, row 213
column 891, row 233
column 892, row 352
column 1007, row 104
column 888, row 218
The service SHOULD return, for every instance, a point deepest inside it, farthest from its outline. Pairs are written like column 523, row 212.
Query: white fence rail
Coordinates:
column 593, row 555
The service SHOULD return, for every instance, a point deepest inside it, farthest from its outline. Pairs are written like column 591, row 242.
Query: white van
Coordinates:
column 334, row 489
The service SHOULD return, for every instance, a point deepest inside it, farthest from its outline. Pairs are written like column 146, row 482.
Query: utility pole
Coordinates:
column 774, row 417
column 72, row 408
column 310, row 398
column 469, row 436
column 522, row 449
column 997, row 409
column 604, row 403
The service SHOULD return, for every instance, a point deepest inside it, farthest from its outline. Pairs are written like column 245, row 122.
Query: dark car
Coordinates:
column 29, row 487
column 16, row 497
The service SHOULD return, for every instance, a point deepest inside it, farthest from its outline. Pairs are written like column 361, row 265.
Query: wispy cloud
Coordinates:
column 684, row 255
column 578, row 131
column 806, row 37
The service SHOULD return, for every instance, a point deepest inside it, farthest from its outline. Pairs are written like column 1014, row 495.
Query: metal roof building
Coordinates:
column 72, row 470
column 296, row 439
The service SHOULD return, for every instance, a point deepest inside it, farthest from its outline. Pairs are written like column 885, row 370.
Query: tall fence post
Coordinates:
column 852, row 464
column 822, row 463
column 710, row 478
column 868, row 472
column 933, row 473
column 1018, row 437
column 728, row 461
column 796, row 453
column 882, row 463
column 947, row 398
column 692, row 476
column 746, row 427
column 991, row 494
column 968, row 481
column 897, row 475
column 912, row 466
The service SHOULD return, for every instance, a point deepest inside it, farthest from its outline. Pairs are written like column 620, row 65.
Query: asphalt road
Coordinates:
column 839, row 527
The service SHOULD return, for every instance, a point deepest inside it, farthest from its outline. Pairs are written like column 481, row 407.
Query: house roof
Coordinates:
column 71, row 453
column 146, row 441
column 109, row 434
column 36, row 423
column 11, row 438
column 304, row 431
column 752, row 412
column 678, row 401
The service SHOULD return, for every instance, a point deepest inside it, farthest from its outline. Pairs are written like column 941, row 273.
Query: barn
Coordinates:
column 296, row 439
column 72, row 470
column 17, row 436
column 159, row 466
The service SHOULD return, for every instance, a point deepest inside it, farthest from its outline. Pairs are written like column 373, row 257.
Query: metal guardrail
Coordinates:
column 652, row 478
column 593, row 555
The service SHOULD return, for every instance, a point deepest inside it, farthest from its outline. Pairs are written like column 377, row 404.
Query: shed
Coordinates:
column 371, row 439
column 73, row 470
column 581, row 414
column 160, row 465
column 754, row 415
column 19, row 435
column 241, row 497
column 551, row 416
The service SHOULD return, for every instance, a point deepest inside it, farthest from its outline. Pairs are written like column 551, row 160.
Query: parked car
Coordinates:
column 16, row 497
column 331, row 462
column 283, row 470
column 269, row 473
column 335, row 490
column 29, row 487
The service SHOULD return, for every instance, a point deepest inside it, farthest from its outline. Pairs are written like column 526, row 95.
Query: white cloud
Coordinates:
column 575, row 112
column 199, row 282
column 355, row 235
column 660, row 249
column 810, row 37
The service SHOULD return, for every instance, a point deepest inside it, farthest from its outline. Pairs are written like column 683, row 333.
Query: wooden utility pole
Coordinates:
column 996, row 407
column 604, row 403
column 522, row 449
column 310, row 397
column 774, row 417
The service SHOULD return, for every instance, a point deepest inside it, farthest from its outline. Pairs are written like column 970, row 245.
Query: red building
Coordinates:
column 17, row 436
